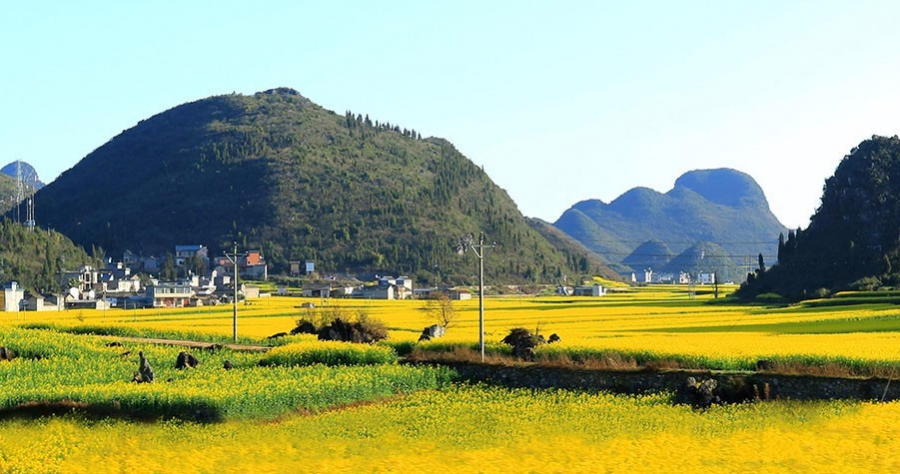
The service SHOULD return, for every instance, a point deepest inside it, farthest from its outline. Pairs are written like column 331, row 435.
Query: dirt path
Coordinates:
column 195, row 344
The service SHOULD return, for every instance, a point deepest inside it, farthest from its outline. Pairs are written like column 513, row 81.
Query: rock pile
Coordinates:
column 432, row 332
column 704, row 393
column 145, row 372
column 186, row 361
column 340, row 330
column 7, row 353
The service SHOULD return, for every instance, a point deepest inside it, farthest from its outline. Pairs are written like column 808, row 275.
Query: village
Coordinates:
column 129, row 284
column 136, row 282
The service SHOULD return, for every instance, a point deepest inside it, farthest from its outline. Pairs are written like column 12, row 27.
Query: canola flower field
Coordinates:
column 647, row 323
column 306, row 406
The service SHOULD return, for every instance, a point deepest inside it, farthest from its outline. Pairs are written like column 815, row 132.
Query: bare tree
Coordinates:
column 439, row 308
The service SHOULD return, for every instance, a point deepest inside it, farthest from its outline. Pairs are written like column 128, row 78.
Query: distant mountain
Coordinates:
column 276, row 172
column 720, row 205
column 853, row 239
column 706, row 257
column 29, row 174
column 651, row 254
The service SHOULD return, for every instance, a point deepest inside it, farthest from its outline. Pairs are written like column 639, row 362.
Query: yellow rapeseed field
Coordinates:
column 450, row 428
column 661, row 320
column 480, row 429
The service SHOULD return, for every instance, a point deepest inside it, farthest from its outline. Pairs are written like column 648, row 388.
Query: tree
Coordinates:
column 169, row 272
column 198, row 266
column 762, row 263
column 780, row 247
column 439, row 308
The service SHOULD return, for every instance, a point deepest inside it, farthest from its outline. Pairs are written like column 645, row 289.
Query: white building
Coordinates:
column 706, row 278
column 12, row 296
column 593, row 290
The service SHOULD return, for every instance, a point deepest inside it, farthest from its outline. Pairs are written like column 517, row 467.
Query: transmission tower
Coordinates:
column 20, row 191
column 24, row 192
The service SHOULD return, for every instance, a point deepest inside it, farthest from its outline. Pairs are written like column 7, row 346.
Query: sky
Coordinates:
column 559, row 101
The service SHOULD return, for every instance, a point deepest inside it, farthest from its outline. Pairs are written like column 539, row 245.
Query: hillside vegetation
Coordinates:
column 853, row 241
column 7, row 193
column 33, row 258
column 275, row 171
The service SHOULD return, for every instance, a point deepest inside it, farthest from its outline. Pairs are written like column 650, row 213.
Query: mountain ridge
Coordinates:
column 276, row 172
column 722, row 206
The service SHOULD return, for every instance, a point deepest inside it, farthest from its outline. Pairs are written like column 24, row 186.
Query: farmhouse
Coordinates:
column 186, row 253
column 11, row 297
column 170, row 295
column 706, row 278
column 593, row 290
column 43, row 303
column 316, row 290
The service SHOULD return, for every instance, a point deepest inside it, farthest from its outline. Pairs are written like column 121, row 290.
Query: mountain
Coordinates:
column 577, row 255
column 853, row 239
column 274, row 171
column 723, row 206
column 29, row 174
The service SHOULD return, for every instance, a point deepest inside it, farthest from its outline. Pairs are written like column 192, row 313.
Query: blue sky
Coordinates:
column 559, row 101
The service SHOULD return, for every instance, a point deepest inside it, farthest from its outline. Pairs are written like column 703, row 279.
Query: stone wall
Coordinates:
column 780, row 386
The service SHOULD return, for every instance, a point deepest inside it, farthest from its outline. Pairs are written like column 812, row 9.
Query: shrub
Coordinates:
column 822, row 293
column 865, row 284
column 769, row 298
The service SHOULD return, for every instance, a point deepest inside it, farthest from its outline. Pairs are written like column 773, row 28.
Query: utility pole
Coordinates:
column 233, row 258
column 478, row 249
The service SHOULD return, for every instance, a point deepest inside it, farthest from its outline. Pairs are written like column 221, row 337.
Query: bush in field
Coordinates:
column 523, row 342
column 769, row 298
column 329, row 353
column 363, row 330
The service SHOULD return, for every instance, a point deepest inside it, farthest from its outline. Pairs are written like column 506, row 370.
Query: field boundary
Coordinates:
column 780, row 386
column 194, row 344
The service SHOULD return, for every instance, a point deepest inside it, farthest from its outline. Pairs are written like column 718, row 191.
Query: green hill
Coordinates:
column 853, row 239
column 577, row 255
column 721, row 205
column 7, row 193
column 34, row 257
column 275, row 171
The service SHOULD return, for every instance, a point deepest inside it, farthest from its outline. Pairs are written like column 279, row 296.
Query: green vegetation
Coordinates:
column 7, row 193
column 276, row 172
column 34, row 257
column 63, row 372
column 329, row 353
column 853, row 241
